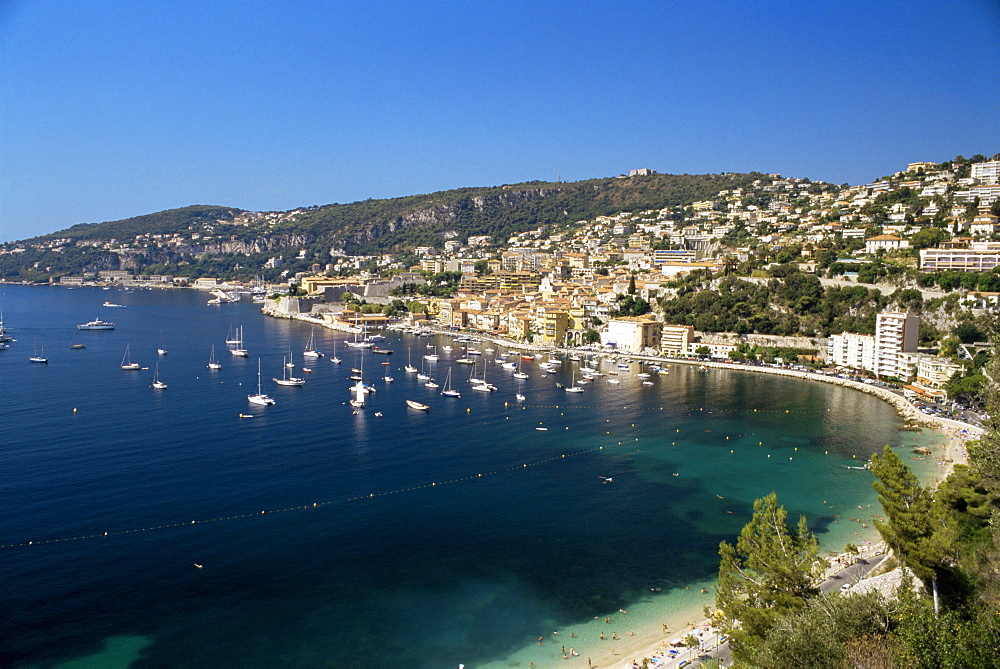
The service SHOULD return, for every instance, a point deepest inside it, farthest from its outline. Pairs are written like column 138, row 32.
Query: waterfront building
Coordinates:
column 676, row 339
column 852, row 350
column 633, row 333
column 895, row 335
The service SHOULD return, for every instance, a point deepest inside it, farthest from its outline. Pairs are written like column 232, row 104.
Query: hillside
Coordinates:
column 230, row 242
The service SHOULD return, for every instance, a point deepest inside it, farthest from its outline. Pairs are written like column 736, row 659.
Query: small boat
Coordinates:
column 75, row 345
column 381, row 351
column 614, row 381
column 310, row 351
column 96, row 324
column 519, row 397
column 287, row 380
column 127, row 361
column 432, row 384
column 410, row 369
column 432, row 357
column 413, row 404
column 159, row 385
column 642, row 375
column 212, row 363
column 260, row 398
column 160, row 350
column 647, row 383
column 335, row 360
column 465, row 361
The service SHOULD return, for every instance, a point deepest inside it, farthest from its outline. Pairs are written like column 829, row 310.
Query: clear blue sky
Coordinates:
column 111, row 109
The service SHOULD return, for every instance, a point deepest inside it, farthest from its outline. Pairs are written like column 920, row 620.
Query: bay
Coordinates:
column 411, row 539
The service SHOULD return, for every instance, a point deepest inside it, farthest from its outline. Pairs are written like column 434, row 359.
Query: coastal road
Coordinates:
column 852, row 574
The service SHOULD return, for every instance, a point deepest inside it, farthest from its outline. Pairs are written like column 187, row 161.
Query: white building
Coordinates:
column 853, row 350
column 895, row 334
column 987, row 173
column 890, row 353
column 982, row 257
column 887, row 242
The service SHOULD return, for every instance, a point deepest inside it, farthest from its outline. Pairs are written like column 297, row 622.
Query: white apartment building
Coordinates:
column 987, row 173
column 891, row 352
column 982, row 257
column 895, row 334
column 676, row 339
column 850, row 349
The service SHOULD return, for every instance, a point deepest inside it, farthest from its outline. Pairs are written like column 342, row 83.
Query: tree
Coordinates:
column 767, row 574
column 919, row 531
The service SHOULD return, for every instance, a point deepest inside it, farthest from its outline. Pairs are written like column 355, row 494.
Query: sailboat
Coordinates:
column 236, row 345
column 519, row 374
column 160, row 350
column 356, row 343
column 287, row 380
column 335, row 360
column 472, row 375
column 385, row 376
column 212, row 364
column 432, row 357
column 409, row 363
column 482, row 385
column 311, row 351
column 573, row 388
column 127, row 360
column 260, row 398
column 39, row 358
column 358, row 389
column 423, row 376
column 448, row 390
column 76, row 342
column 289, row 363
column 159, row 385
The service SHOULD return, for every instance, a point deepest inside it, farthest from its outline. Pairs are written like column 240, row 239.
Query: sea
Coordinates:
column 186, row 527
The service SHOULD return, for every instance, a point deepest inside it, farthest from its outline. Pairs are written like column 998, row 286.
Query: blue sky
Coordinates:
column 114, row 109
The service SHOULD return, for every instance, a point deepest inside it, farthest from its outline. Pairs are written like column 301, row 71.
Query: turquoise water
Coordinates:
column 457, row 535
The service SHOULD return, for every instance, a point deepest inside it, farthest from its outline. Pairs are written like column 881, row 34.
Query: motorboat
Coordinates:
column 96, row 324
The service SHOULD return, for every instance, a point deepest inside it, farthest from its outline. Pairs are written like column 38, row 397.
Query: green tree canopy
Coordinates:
column 920, row 532
column 768, row 573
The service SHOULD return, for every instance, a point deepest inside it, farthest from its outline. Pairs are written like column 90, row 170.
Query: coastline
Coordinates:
column 648, row 636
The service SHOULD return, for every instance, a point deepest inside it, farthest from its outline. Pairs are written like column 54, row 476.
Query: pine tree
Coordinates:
column 769, row 572
column 920, row 531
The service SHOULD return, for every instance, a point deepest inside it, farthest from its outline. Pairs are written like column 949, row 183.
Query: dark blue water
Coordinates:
column 437, row 538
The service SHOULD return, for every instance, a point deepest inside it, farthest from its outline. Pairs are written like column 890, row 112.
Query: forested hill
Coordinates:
column 375, row 226
column 229, row 242
column 372, row 226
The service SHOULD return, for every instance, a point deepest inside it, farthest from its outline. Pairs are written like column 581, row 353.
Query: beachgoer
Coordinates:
column 614, row 635
column 608, row 619
column 602, row 636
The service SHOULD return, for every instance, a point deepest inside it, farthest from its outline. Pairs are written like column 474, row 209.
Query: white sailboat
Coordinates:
column 236, row 345
column 385, row 375
column 160, row 350
column 127, row 360
column 473, row 379
column 311, row 351
column 260, row 398
column 287, row 380
column 573, row 388
column 448, row 390
column 335, row 360
column 39, row 358
column 410, row 369
column 432, row 357
column 483, row 385
column 212, row 363
column 519, row 374
column 422, row 375
column 358, row 389
column 159, row 385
